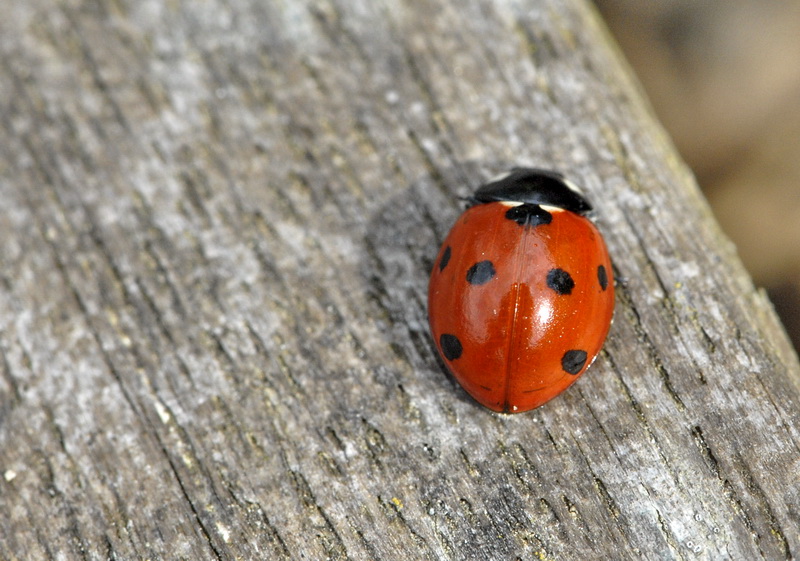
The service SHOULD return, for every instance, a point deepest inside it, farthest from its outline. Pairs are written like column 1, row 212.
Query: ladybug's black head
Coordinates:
column 536, row 187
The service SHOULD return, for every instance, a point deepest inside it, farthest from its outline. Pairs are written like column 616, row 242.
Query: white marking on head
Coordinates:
column 572, row 187
column 500, row 177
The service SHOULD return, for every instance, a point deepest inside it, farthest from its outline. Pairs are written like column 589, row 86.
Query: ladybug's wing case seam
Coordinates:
column 512, row 332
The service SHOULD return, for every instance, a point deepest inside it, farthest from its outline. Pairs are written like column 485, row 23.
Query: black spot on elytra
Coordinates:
column 529, row 215
column 446, row 258
column 481, row 272
column 602, row 277
column 560, row 281
column 451, row 346
column 573, row 361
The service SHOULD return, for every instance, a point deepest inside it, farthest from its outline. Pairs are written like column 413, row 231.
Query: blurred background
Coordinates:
column 724, row 78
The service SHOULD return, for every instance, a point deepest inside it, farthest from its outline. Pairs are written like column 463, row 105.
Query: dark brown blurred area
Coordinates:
column 724, row 78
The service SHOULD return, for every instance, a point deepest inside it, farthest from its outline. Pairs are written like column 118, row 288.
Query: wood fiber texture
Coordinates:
column 217, row 224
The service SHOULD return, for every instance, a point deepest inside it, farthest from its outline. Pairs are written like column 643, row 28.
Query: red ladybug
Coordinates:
column 520, row 297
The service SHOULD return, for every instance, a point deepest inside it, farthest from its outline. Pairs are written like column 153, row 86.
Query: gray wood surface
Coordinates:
column 218, row 219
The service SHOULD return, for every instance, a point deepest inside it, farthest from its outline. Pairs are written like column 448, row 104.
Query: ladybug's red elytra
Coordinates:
column 521, row 295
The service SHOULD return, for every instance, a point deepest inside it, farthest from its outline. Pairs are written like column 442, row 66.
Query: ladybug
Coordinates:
column 521, row 295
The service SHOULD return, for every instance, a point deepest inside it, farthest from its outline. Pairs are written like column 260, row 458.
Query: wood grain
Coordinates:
column 218, row 222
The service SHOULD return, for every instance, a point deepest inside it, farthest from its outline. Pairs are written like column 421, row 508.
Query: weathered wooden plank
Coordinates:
column 219, row 218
